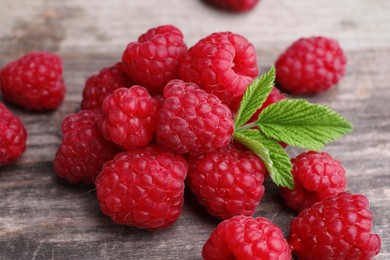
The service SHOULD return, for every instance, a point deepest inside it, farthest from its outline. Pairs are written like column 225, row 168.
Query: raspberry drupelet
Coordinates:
column 243, row 238
column 192, row 121
column 338, row 227
column 311, row 65
column 152, row 61
column 34, row 82
column 143, row 187
column 13, row 136
column 228, row 181
column 83, row 150
column 223, row 64
column 317, row 175
column 129, row 117
column 99, row 86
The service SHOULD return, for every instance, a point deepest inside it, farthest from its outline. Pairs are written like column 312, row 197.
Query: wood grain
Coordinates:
column 43, row 218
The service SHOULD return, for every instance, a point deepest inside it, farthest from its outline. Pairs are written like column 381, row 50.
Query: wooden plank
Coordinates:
column 42, row 218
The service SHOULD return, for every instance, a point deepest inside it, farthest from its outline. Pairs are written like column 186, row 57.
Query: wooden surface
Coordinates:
column 42, row 218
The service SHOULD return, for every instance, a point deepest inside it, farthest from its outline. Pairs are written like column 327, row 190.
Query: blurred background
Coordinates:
column 106, row 26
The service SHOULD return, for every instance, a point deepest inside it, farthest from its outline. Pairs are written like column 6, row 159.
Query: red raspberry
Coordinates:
column 338, row 227
column 228, row 182
column 83, row 150
column 99, row 86
column 143, row 187
column 243, row 237
column 316, row 176
column 311, row 65
column 34, row 81
column 234, row 5
column 13, row 136
column 153, row 60
column 129, row 117
column 223, row 64
column 193, row 121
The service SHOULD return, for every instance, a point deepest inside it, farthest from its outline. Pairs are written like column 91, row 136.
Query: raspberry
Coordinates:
column 34, row 81
column 243, row 237
column 13, row 136
column 129, row 117
column 234, row 5
column 338, row 227
column 316, row 176
column 192, row 121
column 153, row 60
column 143, row 187
column 223, row 64
column 311, row 65
column 228, row 182
column 99, row 86
column 83, row 150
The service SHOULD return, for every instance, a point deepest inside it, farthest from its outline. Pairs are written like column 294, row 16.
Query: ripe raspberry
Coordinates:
column 129, row 117
column 228, row 182
column 153, row 60
column 34, row 81
column 192, row 121
column 223, row 64
column 316, row 176
column 13, row 136
column 336, row 228
column 83, row 150
column 243, row 237
column 143, row 187
column 234, row 5
column 311, row 65
column 99, row 86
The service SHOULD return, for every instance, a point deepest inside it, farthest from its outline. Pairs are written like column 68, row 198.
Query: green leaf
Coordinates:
column 274, row 157
column 302, row 124
column 254, row 97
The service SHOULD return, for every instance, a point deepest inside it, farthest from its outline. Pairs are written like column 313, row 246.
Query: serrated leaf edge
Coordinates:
column 343, row 124
column 277, row 178
column 262, row 85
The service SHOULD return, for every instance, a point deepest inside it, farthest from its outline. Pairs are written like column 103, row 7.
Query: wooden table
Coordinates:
column 42, row 218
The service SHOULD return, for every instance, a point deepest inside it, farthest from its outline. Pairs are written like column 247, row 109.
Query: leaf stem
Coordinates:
column 247, row 126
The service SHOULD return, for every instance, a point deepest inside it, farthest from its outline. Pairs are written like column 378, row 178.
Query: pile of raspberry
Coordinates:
column 161, row 119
